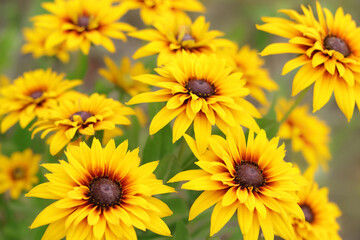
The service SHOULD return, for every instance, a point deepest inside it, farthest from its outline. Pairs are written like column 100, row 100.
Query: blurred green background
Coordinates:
column 237, row 18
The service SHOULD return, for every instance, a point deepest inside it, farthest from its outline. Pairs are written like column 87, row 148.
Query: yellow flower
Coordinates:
column 30, row 95
column 251, row 178
column 4, row 81
column 121, row 76
column 81, row 116
column 151, row 10
column 172, row 35
column 320, row 214
column 248, row 62
column 80, row 23
column 328, row 53
column 308, row 134
column 18, row 172
column 101, row 193
column 35, row 43
column 200, row 90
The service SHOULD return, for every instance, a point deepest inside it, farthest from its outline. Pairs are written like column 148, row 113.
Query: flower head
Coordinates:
column 18, row 172
column 101, row 193
column 81, row 116
column 199, row 90
column 251, row 178
column 121, row 76
column 35, row 43
column 320, row 214
column 308, row 134
column 172, row 35
column 329, row 54
column 30, row 96
column 80, row 23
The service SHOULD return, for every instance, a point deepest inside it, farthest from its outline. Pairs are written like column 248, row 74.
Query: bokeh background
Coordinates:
column 237, row 18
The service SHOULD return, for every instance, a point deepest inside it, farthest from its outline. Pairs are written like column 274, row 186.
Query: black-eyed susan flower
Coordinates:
column 320, row 214
column 80, row 23
column 151, row 10
column 328, row 53
column 200, row 90
column 121, row 76
column 81, row 116
column 308, row 134
column 247, row 61
column 30, row 95
column 250, row 178
column 101, row 193
column 35, row 44
column 4, row 81
column 18, row 172
column 172, row 35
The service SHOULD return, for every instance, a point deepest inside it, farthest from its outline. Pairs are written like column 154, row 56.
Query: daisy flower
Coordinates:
column 320, row 214
column 101, row 193
column 121, row 76
column 250, row 178
column 308, row 134
column 151, row 10
column 200, row 90
column 328, row 54
column 80, row 23
column 172, row 35
column 18, row 172
column 81, row 116
column 35, row 44
column 30, row 96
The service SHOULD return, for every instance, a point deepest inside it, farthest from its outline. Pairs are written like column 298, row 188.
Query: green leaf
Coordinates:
column 181, row 232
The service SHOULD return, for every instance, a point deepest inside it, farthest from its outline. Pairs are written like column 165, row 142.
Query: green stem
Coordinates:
column 295, row 104
column 81, row 68
column 181, row 151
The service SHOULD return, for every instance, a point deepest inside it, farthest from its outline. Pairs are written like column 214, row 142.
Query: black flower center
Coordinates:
column 18, row 173
column 105, row 192
column 335, row 43
column 83, row 21
column 309, row 215
column 249, row 175
column 201, row 88
column 84, row 115
column 36, row 94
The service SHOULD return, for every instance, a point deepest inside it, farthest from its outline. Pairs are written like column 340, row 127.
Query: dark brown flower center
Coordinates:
column 18, row 173
column 36, row 94
column 249, row 175
column 335, row 43
column 309, row 215
column 84, row 115
column 187, row 37
column 105, row 192
column 83, row 21
column 201, row 88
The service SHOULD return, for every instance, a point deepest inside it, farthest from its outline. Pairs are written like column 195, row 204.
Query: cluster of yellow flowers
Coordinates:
column 208, row 84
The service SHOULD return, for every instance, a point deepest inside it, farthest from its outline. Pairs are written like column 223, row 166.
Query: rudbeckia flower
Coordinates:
column 200, row 90
column 250, row 178
column 81, row 116
column 121, row 76
column 80, row 23
column 30, row 95
column 308, row 134
column 101, row 193
column 18, row 172
column 328, row 54
column 320, row 214
column 172, row 35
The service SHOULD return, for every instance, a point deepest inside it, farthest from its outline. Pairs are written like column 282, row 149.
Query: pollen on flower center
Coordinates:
column 83, row 21
column 105, row 192
column 249, row 175
column 309, row 215
column 18, row 173
column 201, row 88
column 36, row 94
column 84, row 115
column 335, row 43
